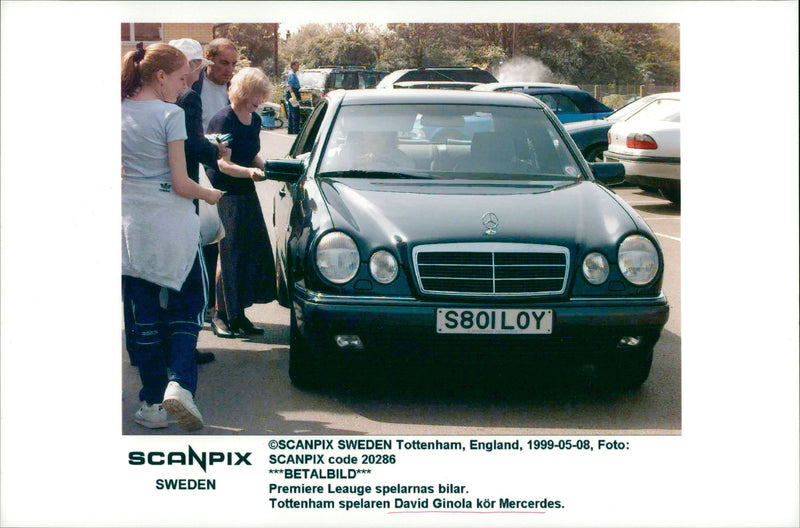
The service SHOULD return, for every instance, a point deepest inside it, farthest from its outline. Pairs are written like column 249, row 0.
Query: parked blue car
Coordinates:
column 569, row 102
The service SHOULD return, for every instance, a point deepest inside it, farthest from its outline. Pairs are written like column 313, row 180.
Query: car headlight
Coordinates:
column 383, row 266
column 638, row 260
column 337, row 257
column 595, row 268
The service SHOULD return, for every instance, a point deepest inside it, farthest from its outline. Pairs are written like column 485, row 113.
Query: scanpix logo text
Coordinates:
column 190, row 458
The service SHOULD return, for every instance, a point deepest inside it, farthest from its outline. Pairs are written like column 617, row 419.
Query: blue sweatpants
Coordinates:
column 165, row 339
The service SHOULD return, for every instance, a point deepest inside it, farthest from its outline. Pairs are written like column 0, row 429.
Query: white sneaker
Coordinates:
column 179, row 403
column 151, row 416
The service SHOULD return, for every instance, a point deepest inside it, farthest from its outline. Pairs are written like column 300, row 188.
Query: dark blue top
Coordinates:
column 198, row 149
column 245, row 145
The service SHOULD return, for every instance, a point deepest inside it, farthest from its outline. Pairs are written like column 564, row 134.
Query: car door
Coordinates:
column 285, row 199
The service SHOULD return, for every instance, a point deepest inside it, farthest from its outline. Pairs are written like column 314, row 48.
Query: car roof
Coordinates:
column 392, row 77
column 435, row 84
column 668, row 95
column 432, row 96
column 491, row 87
column 339, row 68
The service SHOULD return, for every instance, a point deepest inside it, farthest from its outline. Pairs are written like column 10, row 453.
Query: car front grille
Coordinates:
column 491, row 269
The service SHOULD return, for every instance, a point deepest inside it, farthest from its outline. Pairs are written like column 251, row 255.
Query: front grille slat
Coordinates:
column 492, row 269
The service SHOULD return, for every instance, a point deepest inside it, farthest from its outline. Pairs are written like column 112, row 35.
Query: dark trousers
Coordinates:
column 163, row 340
column 210, row 256
column 293, row 113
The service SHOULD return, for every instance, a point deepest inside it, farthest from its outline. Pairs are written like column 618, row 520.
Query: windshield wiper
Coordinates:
column 358, row 173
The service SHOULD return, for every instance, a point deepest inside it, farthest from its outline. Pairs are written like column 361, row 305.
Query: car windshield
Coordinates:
column 660, row 110
column 448, row 141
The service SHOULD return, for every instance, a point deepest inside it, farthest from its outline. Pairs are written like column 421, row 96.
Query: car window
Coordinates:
column 660, row 110
column 466, row 75
column 563, row 104
column 345, row 80
column 305, row 141
column 558, row 103
column 587, row 103
column 370, row 79
column 448, row 141
column 629, row 109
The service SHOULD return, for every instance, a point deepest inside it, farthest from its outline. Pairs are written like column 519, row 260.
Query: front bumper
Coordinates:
column 406, row 327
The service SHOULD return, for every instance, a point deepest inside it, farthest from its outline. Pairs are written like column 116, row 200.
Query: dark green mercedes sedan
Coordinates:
column 460, row 226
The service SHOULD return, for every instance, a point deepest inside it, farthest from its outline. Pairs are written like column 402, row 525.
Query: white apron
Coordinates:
column 160, row 233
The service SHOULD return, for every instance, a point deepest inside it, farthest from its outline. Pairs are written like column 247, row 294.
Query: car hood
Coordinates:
column 387, row 212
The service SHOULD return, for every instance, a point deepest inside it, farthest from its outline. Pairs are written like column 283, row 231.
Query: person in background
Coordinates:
column 214, row 80
column 160, row 236
column 212, row 86
column 293, row 98
column 247, row 272
column 198, row 148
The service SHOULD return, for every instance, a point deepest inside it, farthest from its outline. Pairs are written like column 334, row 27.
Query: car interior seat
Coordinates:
column 490, row 152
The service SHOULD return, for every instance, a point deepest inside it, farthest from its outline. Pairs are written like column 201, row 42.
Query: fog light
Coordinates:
column 348, row 341
column 630, row 341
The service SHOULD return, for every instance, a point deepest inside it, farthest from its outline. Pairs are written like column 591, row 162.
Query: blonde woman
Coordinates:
column 247, row 272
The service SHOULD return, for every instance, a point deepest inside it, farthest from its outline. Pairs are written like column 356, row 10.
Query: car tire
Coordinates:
column 624, row 369
column 304, row 369
column 595, row 152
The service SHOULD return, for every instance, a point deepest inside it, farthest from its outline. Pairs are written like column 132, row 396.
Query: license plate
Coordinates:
column 493, row 321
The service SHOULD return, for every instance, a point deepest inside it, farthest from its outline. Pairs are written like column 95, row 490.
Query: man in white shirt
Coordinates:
column 213, row 89
column 213, row 83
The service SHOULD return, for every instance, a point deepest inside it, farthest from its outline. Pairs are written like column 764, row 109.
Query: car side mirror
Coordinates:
column 286, row 170
column 608, row 173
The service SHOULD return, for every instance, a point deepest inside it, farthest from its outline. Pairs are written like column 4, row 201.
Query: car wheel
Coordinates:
column 595, row 152
column 624, row 369
column 304, row 369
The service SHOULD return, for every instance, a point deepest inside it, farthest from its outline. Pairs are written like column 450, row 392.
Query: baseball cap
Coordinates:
column 192, row 49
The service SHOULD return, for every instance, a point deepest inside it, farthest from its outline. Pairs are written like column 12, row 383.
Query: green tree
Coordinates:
column 315, row 45
column 575, row 53
column 255, row 42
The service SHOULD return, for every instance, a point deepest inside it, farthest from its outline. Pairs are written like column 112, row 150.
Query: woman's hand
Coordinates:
column 256, row 174
column 212, row 196
column 223, row 151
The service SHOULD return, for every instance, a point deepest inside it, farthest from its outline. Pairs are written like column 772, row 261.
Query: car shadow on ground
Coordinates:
column 249, row 392
column 666, row 209
column 517, row 395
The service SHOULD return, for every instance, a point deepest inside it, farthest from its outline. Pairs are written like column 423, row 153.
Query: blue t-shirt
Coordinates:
column 293, row 84
column 147, row 128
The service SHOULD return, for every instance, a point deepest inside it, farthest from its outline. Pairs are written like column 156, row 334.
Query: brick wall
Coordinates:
column 202, row 33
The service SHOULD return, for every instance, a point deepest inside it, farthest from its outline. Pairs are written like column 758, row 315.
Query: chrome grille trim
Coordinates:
column 467, row 278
